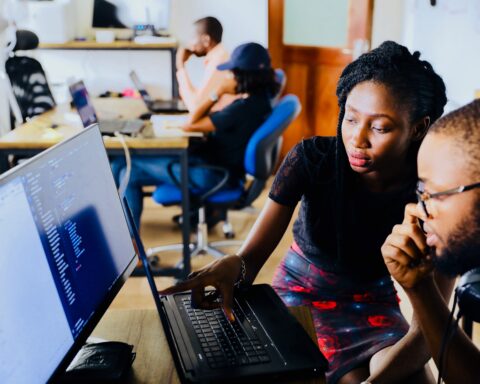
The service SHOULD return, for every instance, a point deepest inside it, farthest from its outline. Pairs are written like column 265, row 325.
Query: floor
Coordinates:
column 157, row 228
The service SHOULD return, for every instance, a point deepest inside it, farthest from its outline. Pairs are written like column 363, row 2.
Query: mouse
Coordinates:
column 53, row 125
column 145, row 116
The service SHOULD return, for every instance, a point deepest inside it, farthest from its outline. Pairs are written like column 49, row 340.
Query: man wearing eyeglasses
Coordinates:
column 442, row 232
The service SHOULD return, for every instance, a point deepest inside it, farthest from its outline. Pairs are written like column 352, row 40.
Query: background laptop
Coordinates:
column 265, row 342
column 157, row 106
column 84, row 106
column 65, row 252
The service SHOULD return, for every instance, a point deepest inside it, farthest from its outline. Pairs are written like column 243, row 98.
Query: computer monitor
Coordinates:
column 65, row 251
column 83, row 103
column 128, row 13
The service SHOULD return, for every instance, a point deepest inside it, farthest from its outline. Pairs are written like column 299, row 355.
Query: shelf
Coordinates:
column 91, row 44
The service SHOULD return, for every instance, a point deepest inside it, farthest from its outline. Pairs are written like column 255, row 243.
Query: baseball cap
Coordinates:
column 249, row 56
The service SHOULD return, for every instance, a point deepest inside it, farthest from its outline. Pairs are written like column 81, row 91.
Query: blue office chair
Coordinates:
column 261, row 157
column 281, row 79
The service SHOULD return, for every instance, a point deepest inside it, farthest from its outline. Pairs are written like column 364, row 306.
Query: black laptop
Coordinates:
column 88, row 115
column 157, row 106
column 265, row 344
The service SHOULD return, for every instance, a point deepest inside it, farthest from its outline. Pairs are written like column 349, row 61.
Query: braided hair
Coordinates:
column 410, row 79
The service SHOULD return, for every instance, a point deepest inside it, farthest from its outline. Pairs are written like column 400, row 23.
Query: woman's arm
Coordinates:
column 264, row 237
column 200, row 113
column 224, row 273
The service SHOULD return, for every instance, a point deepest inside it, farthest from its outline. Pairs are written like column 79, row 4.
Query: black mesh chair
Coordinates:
column 28, row 79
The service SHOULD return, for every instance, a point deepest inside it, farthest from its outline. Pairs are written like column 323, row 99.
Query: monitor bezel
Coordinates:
column 102, row 308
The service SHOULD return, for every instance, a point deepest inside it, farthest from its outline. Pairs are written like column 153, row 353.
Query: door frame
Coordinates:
column 312, row 72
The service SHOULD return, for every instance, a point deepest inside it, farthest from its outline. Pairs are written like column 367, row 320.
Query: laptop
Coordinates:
column 65, row 252
column 157, row 106
column 84, row 106
column 265, row 343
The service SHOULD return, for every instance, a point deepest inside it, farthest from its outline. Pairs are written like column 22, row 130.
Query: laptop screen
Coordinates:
column 140, row 88
column 83, row 103
column 65, row 250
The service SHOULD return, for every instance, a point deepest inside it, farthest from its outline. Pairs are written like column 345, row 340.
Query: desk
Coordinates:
column 36, row 135
column 123, row 45
column 143, row 329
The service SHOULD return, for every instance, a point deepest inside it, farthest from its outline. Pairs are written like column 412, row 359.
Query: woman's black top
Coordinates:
column 308, row 174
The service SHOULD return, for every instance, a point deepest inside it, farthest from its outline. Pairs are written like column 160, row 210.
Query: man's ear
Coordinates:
column 420, row 128
column 206, row 40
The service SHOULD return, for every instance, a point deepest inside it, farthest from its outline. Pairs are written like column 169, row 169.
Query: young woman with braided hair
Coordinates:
column 353, row 189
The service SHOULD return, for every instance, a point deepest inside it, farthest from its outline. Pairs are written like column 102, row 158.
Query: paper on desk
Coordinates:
column 170, row 125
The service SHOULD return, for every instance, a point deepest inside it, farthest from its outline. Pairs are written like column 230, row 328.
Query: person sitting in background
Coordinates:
column 227, row 131
column 448, row 239
column 206, row 43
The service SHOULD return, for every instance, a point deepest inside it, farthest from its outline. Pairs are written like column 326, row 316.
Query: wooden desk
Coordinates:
column 37, row 135
column 171, row 47
column 154, row 363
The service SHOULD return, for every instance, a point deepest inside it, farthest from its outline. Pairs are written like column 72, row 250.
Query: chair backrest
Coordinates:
column 281, row 79
column 28, row 79
column 262, row 148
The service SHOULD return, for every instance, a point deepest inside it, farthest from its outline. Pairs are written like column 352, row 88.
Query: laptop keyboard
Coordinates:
column 225, row 344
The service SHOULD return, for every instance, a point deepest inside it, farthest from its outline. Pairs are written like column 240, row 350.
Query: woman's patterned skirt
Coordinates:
column 352, row 320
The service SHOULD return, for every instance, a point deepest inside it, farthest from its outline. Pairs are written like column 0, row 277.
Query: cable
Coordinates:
column 449, row 332
column 126, row 178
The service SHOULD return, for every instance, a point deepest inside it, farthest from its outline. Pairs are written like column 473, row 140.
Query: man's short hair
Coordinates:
column 463, row 127
column 212, row 27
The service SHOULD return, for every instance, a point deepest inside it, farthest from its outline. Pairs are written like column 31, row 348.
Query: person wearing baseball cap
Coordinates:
column 252, row 80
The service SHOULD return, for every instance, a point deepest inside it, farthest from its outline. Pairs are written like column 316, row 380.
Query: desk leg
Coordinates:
column 173, row 54
column 3, row 162
column 185, row 213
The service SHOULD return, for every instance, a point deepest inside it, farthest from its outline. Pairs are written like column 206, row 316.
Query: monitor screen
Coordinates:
column 128, row 13
column 83, row 103
column 65, row 251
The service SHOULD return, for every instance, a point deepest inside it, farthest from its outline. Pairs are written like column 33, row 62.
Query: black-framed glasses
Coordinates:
column 424, row 196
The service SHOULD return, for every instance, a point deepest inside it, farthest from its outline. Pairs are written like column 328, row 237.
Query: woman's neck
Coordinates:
column 388, row 181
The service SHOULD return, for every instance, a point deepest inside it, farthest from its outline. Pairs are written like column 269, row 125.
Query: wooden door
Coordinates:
column 314, row 67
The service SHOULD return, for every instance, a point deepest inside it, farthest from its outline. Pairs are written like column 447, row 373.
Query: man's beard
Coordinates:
column 462, row 249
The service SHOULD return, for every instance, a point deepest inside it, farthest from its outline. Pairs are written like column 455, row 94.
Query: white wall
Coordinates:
column 447, row 35
column 388, row 21
column 108, row 70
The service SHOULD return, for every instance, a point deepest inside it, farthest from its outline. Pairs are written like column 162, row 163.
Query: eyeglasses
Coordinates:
column 424, row 196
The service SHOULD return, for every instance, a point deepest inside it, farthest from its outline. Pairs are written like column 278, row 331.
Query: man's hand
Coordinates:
column 405, row 251
column 183, row 54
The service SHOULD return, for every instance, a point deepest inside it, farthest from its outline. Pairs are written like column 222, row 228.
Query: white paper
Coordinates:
column 171, row 125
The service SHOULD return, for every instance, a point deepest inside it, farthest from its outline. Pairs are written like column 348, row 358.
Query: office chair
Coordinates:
column 261, row 157
column 28, row 79
column 281, row 79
